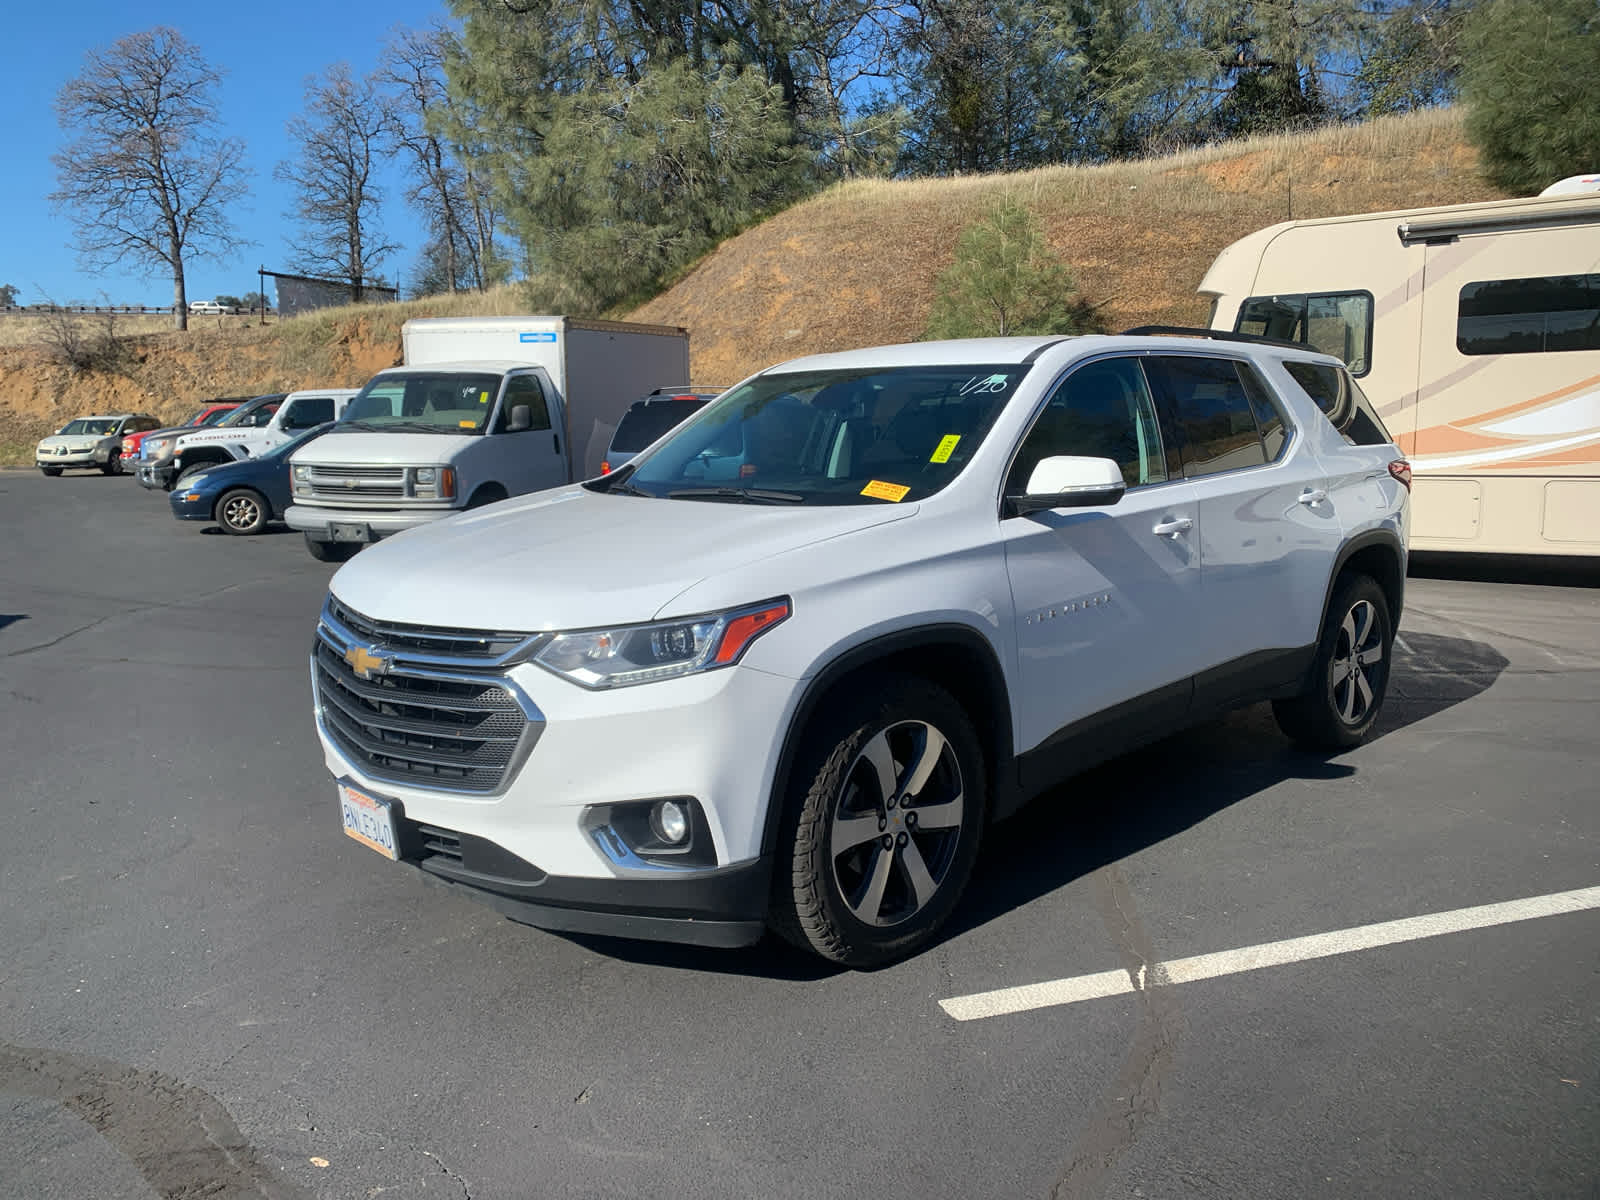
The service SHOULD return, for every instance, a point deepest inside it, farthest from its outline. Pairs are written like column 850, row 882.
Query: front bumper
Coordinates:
column 715, row 737
column 359, row 524
column 724, row 908
column 153, row 475
column 191, row 510
column 78, row 458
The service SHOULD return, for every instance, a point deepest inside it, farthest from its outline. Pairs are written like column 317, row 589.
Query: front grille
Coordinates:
column 440, row 842
column 458, row 734
column 365, row 482
column 423, row 639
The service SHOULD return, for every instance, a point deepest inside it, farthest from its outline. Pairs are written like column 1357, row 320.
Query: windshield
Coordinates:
column 858, row 436
column 91, row 426
column 215, row 417
column 281, row 452
column 442, row 402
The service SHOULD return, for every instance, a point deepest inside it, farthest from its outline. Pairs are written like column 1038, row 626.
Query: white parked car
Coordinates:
column 94, row 442
column 210, row 308
column 299, row 411
column 873, row 601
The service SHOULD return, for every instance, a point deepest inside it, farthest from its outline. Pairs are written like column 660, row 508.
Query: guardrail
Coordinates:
column 129, row 310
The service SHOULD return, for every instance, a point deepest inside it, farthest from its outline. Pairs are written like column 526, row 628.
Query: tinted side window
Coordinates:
column 524, row 389
column 643, row 423
column 1336, row 323
column 1102, row 410
column 1274, row 431
column 310, row 411
column 1216, row 423
column 1341, row 399
column 1529, row 316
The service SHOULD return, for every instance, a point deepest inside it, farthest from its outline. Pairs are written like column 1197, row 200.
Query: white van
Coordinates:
column 1475, row 330
column 485, row 408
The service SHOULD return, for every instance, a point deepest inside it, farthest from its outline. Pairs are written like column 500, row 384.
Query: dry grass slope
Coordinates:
column 854, row 266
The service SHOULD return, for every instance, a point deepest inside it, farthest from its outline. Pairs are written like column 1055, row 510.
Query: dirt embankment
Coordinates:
column 854, row 266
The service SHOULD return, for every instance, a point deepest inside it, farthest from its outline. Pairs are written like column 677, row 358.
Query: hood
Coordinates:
column 76, row 441
column 217, row 437
column 336, row 449
column 575, row 559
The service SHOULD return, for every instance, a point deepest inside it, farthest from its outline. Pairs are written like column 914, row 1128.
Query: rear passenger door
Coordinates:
column 1268, row 531
column 1103, row 596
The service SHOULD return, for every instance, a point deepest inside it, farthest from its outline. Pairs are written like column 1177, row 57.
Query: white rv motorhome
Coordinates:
column 484, row 408
column 1475, row 331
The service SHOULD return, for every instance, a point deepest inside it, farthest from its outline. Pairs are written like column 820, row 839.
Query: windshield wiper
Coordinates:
column 401, row 426
column 737, row 495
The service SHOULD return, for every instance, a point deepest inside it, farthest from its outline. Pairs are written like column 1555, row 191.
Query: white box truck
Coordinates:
column 484, row 408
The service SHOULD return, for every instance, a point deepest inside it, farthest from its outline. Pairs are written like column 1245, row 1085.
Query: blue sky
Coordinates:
column 265, row 52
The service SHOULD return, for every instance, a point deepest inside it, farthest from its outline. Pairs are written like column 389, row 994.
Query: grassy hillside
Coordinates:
column 853, row 266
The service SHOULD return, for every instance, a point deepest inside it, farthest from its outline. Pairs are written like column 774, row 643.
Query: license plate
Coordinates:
column 369, row 820
column 349, row 533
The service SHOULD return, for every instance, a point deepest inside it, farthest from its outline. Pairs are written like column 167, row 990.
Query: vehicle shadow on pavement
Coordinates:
column 1123, row 806
column 11, row 618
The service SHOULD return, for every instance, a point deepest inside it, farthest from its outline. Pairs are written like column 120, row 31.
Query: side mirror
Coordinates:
column 521, row 418
column 1067, row 481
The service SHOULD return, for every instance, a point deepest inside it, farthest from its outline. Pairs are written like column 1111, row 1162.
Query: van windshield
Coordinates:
column 91, row 426
column 441, row 402
column 854, row 436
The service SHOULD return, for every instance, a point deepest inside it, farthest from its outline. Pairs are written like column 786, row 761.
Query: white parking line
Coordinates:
column 1269, row 954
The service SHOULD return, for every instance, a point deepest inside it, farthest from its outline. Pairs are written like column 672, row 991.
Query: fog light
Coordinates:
column 669, row 822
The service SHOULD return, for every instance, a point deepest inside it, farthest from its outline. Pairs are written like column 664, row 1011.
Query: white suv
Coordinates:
column 872, row 602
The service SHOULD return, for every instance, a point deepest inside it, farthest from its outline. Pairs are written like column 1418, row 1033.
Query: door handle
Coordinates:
column 1313, row 496
column 1173, row 529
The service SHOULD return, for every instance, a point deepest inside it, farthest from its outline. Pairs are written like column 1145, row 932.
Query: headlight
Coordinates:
column 194, row 481
column 630, row 654
column 432, row 483
column 158, row 448
column 302, row 472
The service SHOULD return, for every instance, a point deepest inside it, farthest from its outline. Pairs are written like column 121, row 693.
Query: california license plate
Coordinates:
column 369, row 820
column 349, row 533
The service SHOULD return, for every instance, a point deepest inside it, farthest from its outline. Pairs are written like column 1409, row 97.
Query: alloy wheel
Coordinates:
column 1357, row 660
column 241, row 512
column 896, row 823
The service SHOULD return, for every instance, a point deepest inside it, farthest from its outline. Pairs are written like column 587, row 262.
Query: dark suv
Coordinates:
column 650, row 418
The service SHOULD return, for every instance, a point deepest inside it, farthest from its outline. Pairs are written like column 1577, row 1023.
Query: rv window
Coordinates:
column 1529, row 316
column 1336, row 323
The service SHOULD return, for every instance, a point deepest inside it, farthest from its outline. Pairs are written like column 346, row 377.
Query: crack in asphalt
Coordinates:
column 459, row 1182
column 1135, row 1098
column 179, row 1138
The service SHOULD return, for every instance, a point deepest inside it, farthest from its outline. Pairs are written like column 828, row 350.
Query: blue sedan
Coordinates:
column 242, row 496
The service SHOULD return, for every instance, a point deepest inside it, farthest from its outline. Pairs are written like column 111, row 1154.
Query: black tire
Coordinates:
column 489, row 493
column 112, row 465
column 331, row 551
column 52, row 472
column 242, row 511
column 191, row 469
column 1351, row 674
column 838, row 889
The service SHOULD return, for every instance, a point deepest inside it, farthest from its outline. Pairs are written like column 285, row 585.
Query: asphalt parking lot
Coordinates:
column 204, row 985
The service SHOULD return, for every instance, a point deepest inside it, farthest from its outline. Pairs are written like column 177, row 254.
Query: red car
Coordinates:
column 209, row 415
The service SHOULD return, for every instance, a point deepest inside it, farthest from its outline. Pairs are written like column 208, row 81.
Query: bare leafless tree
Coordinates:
column 448, row 188
column 342, row 134
column 147, row 181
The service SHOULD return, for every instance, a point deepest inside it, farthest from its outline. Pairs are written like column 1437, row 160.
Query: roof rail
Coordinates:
column 1220, row 335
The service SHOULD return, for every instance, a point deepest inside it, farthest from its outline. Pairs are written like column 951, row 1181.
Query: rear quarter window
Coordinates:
column 1341, row 400
column 644, row 423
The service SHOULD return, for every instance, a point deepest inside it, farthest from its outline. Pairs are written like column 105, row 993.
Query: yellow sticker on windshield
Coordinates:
column 945, row 448
column 483, row 397
column 467, row 424
column 880, row 490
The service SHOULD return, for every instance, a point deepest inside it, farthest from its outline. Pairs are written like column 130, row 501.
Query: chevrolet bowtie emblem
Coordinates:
column 365, row 663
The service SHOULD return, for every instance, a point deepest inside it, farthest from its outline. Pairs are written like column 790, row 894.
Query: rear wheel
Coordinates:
column 331, row 551
column 882, row 824
column 52, row 472
column 242, row 511
column 1351, row 673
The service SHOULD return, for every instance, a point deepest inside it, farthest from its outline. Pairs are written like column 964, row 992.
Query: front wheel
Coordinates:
column 191, row 470
column 242, row 511
column 1351, row 674
column 112, row 465
column 881, row 829
column 331, row 551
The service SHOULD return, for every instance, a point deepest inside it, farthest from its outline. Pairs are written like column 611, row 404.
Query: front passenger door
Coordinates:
column 531, row 459
column 1103, row 595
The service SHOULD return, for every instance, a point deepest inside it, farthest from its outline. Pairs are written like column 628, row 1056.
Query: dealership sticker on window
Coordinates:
column 880, row 490
column 466, row 424
column 945, row 448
